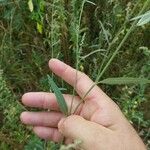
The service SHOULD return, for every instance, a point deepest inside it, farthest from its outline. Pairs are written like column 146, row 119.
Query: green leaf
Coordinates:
column 143, row 19
column 60, row 99
column 30, row 4
column 39, row 28
column 91, row 3
column 125, row 80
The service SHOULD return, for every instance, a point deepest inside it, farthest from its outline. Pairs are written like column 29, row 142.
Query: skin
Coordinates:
column 98, row 122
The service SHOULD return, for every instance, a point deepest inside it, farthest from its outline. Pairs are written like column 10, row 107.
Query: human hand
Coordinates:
column 98, row 123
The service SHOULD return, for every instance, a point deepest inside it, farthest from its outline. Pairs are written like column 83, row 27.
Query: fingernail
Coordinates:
column 55, row 63
column 23, row 117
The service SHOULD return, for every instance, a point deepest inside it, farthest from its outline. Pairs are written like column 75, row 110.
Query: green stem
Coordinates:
column 52, row 38
column 77, row 52
column 114, row 55
column 117, row 35
column 122, row 42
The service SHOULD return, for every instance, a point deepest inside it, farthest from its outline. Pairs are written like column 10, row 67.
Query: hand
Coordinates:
column 98, row 122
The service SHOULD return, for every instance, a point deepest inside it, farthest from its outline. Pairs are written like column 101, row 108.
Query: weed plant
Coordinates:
column 108, row 40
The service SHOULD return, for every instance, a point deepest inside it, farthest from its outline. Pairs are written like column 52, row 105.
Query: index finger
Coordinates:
column 81, row 82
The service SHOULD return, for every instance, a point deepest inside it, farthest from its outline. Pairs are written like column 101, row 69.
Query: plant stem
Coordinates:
column 114, row 55
column 52, row 38
column 122, row 42
column 117, row 35
column 96, row 51
column 77, row 52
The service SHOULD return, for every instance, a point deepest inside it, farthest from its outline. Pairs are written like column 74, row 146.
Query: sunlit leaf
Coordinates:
column 30, row 4
column 60, row 99
column 143, row 19
column 39, row 28
column 125, row 80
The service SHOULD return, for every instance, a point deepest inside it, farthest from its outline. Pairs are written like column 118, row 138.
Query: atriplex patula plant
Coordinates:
column 112, row 81
column 119, row 80
column 78, row 40
column 87, row 35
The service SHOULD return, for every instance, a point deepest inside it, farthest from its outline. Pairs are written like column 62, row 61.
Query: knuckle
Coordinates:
column 66, row 69
column 69, row 121
column 80, row 77
column 45, row 103
column 74, row 119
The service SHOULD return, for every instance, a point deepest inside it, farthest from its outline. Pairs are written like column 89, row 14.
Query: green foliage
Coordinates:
column 60, row 99
column 10, row 110
column 34, row 143
column 143, row 19
column 37, row 8
column 125, row 80
column 93, row 36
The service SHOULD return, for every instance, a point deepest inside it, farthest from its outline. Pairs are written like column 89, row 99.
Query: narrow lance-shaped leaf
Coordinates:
column 60, row 99
column 125, row 80
column 143, row 19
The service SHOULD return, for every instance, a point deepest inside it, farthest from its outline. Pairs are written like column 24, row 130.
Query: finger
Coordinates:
column 75, row 127
column 48, row 133
column 96, row 100
column 48, row 100
column 50, row 119
column 75, row 78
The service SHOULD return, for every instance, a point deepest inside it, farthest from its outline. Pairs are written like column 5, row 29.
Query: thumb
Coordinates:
column 76, row 127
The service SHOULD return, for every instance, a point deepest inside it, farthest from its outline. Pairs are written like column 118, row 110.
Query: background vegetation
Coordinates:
column 84, row 34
